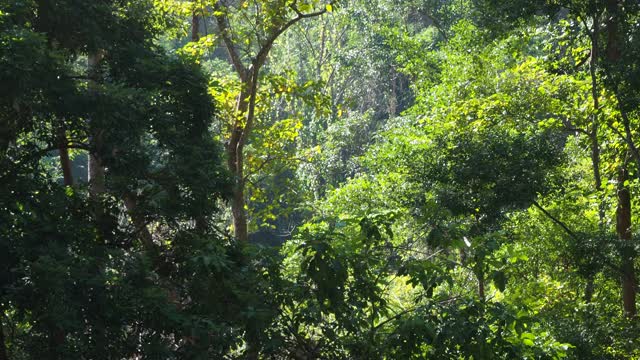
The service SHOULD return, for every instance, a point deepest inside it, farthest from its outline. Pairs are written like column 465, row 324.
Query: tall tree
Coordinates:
column 80, row 264
column 249, row 31
column 607, row 26
column 624, row 211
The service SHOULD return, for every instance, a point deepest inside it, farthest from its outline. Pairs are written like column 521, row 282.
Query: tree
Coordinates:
column 116, row 268
column 606, row 30
column 248, row 46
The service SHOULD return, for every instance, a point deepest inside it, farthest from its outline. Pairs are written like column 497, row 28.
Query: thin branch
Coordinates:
column 281, row 168
column 63, row 154
column 428, row 255
column 45, row 151
column 628, row 138
column 569, row 127
column 583, row 61
column 308, row 40
column 264, row 51
column 406, row 311
column 225, row 32
column 555, row 220
column 437, row 24
column 254, row 25
column 261, row 166
column 394, row 317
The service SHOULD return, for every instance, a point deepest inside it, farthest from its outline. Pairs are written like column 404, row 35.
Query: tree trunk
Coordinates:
column 65, row 163
column 235, row 160
column 623, row 228
column 240, row 226
column 97, row 187
column 481, row 279
column 195, row 27
column 242, row 122
column 96, row 171
column 3, row 345
column 393, row 97
column 200, row 220
column 589, row 289
column 595, row 145
column 623, row 213
column 57, row 337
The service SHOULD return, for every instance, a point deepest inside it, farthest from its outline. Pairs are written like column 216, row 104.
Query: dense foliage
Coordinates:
column 277, row 179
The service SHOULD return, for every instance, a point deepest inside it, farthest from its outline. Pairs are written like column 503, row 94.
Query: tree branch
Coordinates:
column 264, row 51
column 555, row 220
column 437, row 24
column 140, row 224
column 628, row 136
column 225, row 32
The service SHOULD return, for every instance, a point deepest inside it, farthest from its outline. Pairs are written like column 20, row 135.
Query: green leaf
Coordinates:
column 500, row 280
column 528, row 342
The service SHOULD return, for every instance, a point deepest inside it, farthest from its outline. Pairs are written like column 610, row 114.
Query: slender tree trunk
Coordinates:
column 240, row 226
column 131, row 204
column 242, row 122
column 65, row 163
column 613, row 46
column 200, row 220
column 594, row 143
column 97, row 187
column 623, row 213
column 481, row 279
column 57, row 337
column 3, row 346
column 96, row 176
column 63, row 152
column 589, row 289
column 595, row 162
column 393, row 98
column 96, row 171
column 195, row 27
column 623, row 228
column 235, row 152
column 595, row 120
